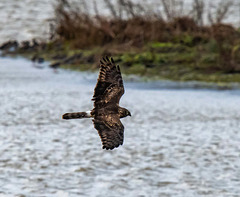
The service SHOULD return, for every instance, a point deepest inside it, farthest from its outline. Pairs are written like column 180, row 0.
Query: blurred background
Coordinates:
column 180, row 60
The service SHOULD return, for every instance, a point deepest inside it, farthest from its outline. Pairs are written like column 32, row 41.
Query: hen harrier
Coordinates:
column 106, row 113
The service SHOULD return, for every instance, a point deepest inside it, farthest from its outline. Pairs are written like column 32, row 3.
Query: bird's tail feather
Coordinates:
column 76, row 115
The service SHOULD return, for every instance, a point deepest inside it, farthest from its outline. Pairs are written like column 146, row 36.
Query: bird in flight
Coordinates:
column 106, row 113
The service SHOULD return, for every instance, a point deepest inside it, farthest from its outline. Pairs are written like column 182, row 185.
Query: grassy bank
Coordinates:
column 156, row 60
column 176, row 47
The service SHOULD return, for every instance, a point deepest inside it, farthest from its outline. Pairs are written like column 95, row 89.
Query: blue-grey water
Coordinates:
column 177, row 142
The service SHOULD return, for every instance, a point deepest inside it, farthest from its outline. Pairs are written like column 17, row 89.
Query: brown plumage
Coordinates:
column 106, row 113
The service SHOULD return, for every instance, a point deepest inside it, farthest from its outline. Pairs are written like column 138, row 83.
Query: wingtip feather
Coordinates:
column 104, row 59
column 107, row 58
column 118, row 68
column 112, row 60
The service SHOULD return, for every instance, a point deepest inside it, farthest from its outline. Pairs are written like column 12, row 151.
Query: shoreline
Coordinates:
column 150, row 81
column 144, row 63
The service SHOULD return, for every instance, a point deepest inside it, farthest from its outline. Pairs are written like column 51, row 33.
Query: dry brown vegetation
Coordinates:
column 137, row 29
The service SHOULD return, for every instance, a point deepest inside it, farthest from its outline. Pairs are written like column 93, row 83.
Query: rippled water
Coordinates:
column 177, row 142
column 27, row 19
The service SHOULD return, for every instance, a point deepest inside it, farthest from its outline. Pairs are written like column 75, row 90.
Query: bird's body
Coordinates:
column 106, row 113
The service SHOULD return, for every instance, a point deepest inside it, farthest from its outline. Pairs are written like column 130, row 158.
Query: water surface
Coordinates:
column 177, row 142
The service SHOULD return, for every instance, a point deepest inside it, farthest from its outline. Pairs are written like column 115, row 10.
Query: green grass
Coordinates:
column 156, row 60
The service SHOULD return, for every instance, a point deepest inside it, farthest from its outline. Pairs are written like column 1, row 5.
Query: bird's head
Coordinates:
column 124, row 112
column 128, row 113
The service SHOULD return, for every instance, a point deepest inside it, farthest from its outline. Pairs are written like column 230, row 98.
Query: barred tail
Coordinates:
column 76, row 115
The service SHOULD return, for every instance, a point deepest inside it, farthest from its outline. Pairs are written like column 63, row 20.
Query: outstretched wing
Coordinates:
column 107, row 93
column 110, row 130
column 109, row 87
